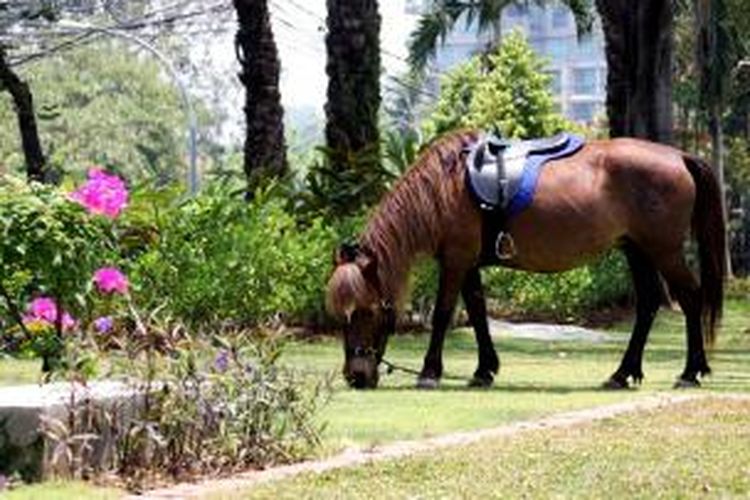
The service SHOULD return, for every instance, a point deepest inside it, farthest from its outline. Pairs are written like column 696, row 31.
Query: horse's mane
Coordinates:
column 408, row 221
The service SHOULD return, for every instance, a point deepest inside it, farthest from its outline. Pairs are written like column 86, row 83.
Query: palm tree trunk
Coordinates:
column 24, row 107
column 265, row 148
column 638, row 37
column 353, row 68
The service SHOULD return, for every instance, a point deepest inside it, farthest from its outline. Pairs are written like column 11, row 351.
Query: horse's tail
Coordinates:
column 709, row 229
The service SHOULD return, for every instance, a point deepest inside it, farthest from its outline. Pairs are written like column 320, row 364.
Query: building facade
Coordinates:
column 576, row 65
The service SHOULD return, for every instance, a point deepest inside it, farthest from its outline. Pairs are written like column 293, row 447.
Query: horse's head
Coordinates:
column 355, row 297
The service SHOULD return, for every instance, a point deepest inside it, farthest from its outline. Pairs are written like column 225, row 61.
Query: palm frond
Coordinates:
column 583, row 12
column 432, row 28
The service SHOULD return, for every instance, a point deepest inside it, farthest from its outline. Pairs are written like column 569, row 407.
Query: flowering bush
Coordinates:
column 102, row 194
column 111, row 280
column 53, row 242
column 43, row 312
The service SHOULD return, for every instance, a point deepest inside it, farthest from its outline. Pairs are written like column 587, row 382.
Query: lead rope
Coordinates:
column 391, row 367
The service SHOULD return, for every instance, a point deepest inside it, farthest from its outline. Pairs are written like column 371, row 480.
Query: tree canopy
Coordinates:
column 507, row 92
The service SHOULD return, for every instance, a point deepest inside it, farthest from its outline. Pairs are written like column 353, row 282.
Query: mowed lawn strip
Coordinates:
column 536, row 379
column 694, row 449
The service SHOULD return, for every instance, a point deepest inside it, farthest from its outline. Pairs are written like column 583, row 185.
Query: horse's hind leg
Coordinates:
column 648, row 295
column 684, row 287
column 473, row 296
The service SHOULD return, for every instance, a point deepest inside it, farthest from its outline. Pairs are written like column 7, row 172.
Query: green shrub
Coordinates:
column 218, row 257
column 561, row 295
column 49, row 246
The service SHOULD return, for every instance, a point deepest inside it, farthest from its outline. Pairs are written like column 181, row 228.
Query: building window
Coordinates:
column 560, row 18
column 584, row 81
column 555, row 82
column 582, row 112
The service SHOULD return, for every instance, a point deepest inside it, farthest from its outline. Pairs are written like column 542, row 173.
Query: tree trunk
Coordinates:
column 717, row 152
column 638, row 37
column 24, row 107
column 265, row 148
column 353, row 68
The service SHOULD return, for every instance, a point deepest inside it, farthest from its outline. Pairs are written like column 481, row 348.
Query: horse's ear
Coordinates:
column 368, row 263
column 346, row 253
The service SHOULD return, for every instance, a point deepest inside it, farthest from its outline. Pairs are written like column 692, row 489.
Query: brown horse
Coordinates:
column 639, row 196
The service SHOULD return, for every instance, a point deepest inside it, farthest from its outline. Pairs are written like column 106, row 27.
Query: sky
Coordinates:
column 299, row 28
column 299, row 31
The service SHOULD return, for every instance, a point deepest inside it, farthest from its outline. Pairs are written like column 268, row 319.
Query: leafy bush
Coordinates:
column 199, row 404
column 215, row 405
column 49, row 248
column 220, row 258
column 562, row 295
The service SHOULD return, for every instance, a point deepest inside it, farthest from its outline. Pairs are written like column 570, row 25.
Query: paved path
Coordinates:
column 399, row 449
column 549, row 332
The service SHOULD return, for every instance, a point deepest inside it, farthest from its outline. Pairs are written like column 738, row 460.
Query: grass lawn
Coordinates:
column 19, row 371
column 59, row 490
column 692, row 450
column 536, row 379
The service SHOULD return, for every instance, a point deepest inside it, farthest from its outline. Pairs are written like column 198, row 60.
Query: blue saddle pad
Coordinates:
column 533, row 164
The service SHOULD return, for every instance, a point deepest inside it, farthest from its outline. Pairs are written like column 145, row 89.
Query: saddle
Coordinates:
column 502, row 176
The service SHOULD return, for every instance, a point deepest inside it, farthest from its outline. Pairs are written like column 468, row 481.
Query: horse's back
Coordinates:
column 591, row 201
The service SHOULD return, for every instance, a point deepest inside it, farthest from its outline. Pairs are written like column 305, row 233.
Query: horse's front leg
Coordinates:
column 473, row 296
column 451, row 280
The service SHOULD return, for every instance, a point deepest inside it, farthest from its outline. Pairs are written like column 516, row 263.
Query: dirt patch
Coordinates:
column 353, row 457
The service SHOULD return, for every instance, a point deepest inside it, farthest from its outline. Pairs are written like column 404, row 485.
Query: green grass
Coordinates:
column 19, row 371
column 536, row 378
column 693, row 450
column 59, row 490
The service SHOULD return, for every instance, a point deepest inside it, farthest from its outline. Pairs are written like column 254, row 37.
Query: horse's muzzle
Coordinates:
column 361, row 372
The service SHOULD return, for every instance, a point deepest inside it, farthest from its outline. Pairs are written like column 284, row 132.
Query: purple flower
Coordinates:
column 103, row 194
column 104, row 324
column 221, row 362
column 111, row 280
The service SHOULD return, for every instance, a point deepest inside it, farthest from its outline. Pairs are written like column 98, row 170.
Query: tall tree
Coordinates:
column 265, row 147
column 23, row 104
column 638, row 38
column 353, row 68
column 716, row 56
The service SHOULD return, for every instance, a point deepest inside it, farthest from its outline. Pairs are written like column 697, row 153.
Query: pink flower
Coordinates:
column 42, row 312
column 111, row 280
column 102, row 193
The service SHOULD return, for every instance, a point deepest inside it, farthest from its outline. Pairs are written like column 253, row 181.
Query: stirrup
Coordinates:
column 505, row 248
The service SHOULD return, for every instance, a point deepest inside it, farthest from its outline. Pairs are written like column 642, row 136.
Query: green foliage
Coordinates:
column 561, row 295
column 337, row 192
column 507, row 91
column 49, row 245
column 199, row 404
column 219, row 258
column 102, row 104
column 215, row 405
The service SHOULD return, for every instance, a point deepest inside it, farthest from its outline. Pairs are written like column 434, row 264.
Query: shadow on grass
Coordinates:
column 503, row 388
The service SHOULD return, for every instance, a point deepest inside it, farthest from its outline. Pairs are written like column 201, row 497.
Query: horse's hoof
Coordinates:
column 682, row 383
column 481, row 382
column 615, row 384
column 427, row 383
